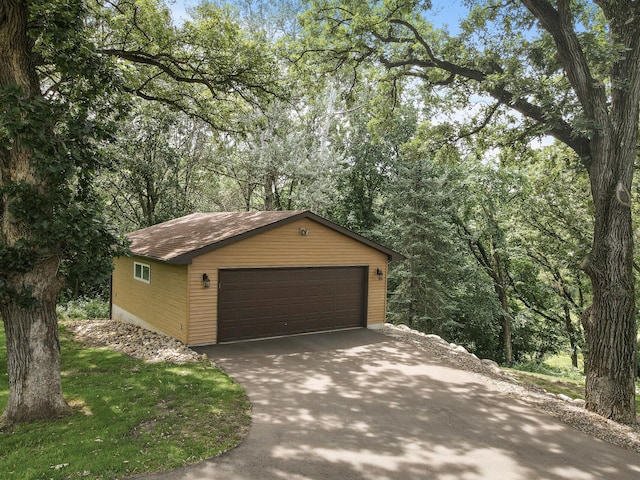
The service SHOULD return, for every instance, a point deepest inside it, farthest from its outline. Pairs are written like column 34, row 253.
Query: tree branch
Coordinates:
column 556, row 127
column 559, row 23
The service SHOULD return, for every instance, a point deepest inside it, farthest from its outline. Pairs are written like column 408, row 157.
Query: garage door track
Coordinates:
column 359, row 405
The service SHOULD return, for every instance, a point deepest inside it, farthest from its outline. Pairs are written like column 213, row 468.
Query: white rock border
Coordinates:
column 152, row 347
column 131, row 340
column 489, row 366
column 568, row 410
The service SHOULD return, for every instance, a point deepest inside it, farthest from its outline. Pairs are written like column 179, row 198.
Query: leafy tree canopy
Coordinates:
column 208, row 67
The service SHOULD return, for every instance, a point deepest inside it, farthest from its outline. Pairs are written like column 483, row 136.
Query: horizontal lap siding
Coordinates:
column 162, row 303
column 281, row 247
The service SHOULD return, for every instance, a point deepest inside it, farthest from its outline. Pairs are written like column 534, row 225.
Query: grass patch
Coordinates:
column 552, row 384
column 556, row 375
column 129, row 417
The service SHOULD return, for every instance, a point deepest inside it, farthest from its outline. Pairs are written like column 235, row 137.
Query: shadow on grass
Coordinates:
column 128, row 417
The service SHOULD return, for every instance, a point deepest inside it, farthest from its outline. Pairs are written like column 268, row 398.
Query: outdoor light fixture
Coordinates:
column 380, row 273
column 206, row 283
column 304, row 232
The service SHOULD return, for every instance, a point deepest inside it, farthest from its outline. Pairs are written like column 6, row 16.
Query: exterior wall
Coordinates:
column 281, row 247
column 160, row 305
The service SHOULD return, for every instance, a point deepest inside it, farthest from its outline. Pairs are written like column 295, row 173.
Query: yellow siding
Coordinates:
column 160, row 305
column 281, row 247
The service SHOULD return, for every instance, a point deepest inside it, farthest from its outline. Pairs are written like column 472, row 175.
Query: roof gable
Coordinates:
column 178, row 241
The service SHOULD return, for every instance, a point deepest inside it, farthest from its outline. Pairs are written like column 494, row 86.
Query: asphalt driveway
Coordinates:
column 358, row 405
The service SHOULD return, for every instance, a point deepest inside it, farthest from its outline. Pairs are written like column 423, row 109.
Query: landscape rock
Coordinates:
column 568, row 410
column 131, row 340
column 436, row 338
column 153, row 347
column 461, row 349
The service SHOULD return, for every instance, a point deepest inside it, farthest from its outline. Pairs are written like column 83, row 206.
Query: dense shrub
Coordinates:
column 84, row 308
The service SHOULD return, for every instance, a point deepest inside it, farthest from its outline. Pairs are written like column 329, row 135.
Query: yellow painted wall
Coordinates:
column 160, row 305
column 281, row 247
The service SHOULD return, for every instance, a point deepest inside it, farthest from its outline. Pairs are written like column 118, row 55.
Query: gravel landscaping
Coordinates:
column 567, row 410
column 131, row 340
column 153, row 347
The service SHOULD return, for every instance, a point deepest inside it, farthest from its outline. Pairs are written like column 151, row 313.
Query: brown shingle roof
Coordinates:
column 179, row 240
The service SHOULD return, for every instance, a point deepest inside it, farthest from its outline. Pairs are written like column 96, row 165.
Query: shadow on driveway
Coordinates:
column 359, row 405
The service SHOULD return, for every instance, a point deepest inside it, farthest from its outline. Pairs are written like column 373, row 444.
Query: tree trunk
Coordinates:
column 268, row 183
column 33, row 361
column 571, row 333
column 611, row 325
column 506, row 323
column 33, row 351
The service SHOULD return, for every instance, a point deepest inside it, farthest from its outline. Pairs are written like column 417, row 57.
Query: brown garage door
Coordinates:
column 267, row 302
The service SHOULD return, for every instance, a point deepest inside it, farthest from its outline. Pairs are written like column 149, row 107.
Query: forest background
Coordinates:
column 494, row 224
column 474, row 149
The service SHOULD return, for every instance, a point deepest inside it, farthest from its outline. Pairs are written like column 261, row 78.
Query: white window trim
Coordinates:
column 142, row 265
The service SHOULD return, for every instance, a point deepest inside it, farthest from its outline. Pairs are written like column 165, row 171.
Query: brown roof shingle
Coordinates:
column 179, row 240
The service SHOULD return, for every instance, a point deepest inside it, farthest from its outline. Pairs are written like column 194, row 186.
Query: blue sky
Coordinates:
column 178, row 7
column 444, row 12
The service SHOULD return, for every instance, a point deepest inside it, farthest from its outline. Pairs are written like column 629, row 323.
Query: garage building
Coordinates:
column 218, row 277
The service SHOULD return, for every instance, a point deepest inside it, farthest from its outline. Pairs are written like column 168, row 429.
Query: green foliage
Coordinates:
column 553, row 373
column 535, row 337
column 63, row 133
column 439, row 288
column 286, row 158
column 129, row 418
column 369, row 159
column 553, row 240
column 160, row 160
column 208, row 67
column 83, row 308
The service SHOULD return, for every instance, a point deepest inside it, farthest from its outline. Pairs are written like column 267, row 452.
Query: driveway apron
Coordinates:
column 358, row 405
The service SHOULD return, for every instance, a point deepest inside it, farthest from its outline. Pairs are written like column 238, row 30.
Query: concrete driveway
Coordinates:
column 358, row 405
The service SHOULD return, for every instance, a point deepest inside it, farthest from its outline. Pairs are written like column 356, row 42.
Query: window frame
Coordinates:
column 142, row 269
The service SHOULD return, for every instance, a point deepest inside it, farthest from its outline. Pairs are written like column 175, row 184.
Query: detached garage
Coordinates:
column 220, row 277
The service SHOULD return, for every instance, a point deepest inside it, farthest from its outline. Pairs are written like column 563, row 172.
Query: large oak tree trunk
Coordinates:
column 33, row 359
column 611, row 110
column 610, row 326
column 27, row 305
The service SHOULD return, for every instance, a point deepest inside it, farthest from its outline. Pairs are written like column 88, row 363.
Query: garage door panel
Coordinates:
column 254, row 303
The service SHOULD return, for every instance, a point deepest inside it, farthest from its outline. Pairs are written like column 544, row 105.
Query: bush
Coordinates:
column 84, row 308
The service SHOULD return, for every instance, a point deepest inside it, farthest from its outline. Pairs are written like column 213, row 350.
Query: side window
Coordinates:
column 142, row 272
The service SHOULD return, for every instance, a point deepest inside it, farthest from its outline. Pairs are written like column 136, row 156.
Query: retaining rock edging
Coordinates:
column 461, row 357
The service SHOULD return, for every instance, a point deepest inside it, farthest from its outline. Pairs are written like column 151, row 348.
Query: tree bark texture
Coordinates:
column 612, row 329
column 500, row 290
column 33, row 363
column 610, row 326
column 571, row 333
column 33, row 352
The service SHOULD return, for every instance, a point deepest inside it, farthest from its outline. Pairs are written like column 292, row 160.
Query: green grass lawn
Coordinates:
column 129, row 417
column 556, row 375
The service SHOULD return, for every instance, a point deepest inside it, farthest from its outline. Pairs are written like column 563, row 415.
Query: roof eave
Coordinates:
column 187, row 258
column 391, row 254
